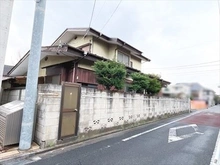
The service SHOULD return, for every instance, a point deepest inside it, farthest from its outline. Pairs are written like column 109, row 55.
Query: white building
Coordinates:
column 179, row 90
column 209, row 95
column 190, row 90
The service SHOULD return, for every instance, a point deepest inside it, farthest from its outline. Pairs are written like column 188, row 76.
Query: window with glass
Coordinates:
column 122, row 58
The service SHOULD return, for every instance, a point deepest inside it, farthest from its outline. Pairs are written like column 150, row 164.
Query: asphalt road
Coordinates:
column 184, row 140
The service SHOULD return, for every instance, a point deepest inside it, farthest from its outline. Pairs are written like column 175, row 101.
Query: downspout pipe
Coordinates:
column 74, row 67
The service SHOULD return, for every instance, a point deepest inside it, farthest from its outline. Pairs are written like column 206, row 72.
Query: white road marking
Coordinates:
column 36, row 158
column 108, row 146
column 161, row 126
column 216, row 154
column 173, row 135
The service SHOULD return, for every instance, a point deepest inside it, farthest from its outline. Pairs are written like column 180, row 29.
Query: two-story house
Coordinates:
column 209, row 96
column 193, row 90
column 178, row 90
column 71, row 57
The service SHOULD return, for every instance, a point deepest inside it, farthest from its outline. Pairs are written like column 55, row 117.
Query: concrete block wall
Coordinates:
column 48, row 114
column 12, row 94
column 100, row 109
column 48, row 111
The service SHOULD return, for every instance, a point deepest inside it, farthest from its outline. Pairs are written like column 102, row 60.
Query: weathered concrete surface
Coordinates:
column 12, row 95
column 102, row 110
column 48, row 114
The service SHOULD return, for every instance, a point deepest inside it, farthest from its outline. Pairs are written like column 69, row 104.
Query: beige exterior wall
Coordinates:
column 42, row 72
column 136, row 63
column 112, row 52
column 100, row 48
column 52, row 60
column 86, row 64
column 80, row 41
column 103, row 49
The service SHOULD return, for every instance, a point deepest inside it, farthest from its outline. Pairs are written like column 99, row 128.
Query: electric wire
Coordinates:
column 100, row 10
column 192, row 67
column 199, row 71
column 184, row 66
column 90, row 22
column 111, row 16
column 195, row 74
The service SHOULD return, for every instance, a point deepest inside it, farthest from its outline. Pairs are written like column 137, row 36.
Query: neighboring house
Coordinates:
column 5, row 78
column 180, row 91
column 193, row 90
column 71, row 56
column 209, row 96
column 196, row 91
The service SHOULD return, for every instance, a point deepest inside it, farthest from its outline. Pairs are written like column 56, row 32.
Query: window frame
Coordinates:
column 124, row 54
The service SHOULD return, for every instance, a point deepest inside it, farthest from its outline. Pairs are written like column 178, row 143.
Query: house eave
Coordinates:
column 97, row 34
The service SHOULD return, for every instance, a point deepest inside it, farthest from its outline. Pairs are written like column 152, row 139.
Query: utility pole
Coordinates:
column 32, row 77
column 5, row 19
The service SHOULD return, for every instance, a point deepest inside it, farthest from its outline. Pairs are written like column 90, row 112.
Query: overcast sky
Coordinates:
column 169, row 32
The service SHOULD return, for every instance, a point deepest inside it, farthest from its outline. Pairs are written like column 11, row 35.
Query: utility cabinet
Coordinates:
column 10, row 122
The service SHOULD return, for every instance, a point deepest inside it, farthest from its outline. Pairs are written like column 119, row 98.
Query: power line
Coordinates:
column 110, row 16
column 93, row 9
column 193, row 67
column 100, row 10
column 194, row 74
column 180, row 66
column 201, row 71
column 90, row 22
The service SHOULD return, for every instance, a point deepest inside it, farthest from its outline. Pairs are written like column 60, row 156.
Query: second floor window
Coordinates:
column 122, row 58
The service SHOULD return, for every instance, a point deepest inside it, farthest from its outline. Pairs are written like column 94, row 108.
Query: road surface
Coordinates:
column 189, row 139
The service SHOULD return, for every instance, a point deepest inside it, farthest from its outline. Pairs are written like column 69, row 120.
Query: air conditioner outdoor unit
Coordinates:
column 10, row 122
